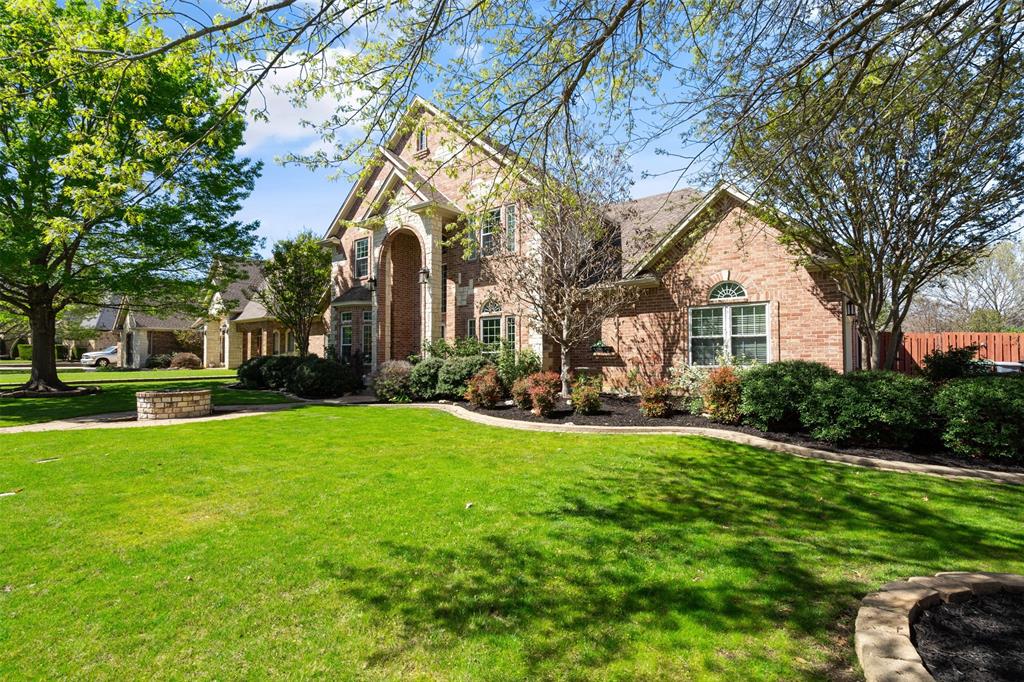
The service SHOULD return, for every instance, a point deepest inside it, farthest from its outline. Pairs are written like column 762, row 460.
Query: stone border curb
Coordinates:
column 883, row 640
column 121, row 420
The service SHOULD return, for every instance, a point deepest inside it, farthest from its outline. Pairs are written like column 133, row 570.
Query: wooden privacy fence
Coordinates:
column 995, row 346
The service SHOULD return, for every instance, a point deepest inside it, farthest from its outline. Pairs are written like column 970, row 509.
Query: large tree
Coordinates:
column 295, row 283
column 112, row 180
column 568, row 278
column 915, row 176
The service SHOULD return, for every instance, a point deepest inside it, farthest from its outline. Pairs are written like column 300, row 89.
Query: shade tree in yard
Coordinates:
column 112, row 180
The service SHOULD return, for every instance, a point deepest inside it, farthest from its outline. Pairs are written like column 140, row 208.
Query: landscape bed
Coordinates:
column 384, row 543
column 624, row 411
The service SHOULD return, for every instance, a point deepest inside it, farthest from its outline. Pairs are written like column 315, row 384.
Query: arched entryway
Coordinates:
column 404, row 261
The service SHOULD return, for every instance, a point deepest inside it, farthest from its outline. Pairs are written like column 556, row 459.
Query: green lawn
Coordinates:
column 120, row 397
column 336, row 543
column 75, row 375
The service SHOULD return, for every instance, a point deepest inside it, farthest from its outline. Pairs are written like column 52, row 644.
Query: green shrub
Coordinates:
column 543, row 390
column 686, row 385
column 521, row 394
column 158, row 361
column 721, row 395
column 24, row 351
column 319, row 378
column 586, row 395
column 484, row 388
column 277, row 370
column 61, row 351
column 772, row 393
column 185, row 361
column 656, row 399
column 983, row 416
column 393, row 382
column 879, row 408
column 250, row 373
column 955, row 363
column 513, row 366
column 454, row 375
column 424, row 378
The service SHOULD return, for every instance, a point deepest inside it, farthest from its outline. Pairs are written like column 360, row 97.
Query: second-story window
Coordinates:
column 421, row 140
column 362, row 258
column 510, row 228
column 490, row 231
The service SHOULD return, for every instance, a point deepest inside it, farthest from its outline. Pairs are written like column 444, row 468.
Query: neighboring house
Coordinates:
column 238, row 327
column 102, row 321
column 144, row 333
column 712, row 278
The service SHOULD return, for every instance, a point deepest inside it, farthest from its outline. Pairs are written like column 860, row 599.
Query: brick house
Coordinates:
column 238, row 327
column 712, row 278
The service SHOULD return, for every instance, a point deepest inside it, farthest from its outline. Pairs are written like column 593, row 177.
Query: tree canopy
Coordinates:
column 112, row 180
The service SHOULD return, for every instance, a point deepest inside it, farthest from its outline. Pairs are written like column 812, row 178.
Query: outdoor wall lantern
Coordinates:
column 223, row 327
column 371, row 284
column 424, row 275
column 851, row 308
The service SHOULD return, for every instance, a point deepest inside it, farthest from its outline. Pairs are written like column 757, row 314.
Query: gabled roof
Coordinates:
column 356, row 296
column 238, row 291
column 645, row 221
column 105, row 317
column 684, row 225
column 152, row 320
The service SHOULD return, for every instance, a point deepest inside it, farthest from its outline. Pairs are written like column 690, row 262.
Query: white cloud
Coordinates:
column 283, row 126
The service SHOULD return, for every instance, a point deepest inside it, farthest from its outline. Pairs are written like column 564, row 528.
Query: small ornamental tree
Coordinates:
column 295, row 282
column 568, row 278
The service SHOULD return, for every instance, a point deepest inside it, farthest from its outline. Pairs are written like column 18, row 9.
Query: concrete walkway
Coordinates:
column 121, row 420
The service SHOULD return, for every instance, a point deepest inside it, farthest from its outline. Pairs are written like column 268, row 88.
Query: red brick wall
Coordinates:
column 805, row 320
column 405, row 260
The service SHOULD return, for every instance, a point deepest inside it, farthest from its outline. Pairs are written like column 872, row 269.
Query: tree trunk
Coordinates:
column 43, row 321
column 895, row 341
column 565, row 371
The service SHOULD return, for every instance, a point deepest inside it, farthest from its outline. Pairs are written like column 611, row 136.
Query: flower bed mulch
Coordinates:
column 979, row 639
column 617, row 411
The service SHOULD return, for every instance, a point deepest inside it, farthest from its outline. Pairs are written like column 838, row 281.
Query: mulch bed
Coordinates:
column 618, row 411
column 979, row 639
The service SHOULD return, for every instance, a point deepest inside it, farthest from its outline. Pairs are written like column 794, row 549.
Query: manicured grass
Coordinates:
column 339, row 543
column 75, row 375
column 120, row 397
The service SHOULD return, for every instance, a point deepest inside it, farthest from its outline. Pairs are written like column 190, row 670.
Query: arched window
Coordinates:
column 491, row 306
column 724, row 291
column 277, row 343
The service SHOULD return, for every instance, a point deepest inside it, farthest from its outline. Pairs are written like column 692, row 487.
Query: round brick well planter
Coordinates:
column 173, row 404
column 883, row 637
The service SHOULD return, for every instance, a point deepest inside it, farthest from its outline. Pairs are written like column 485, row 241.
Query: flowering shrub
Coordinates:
column 543, row 389
column 656, row 399
column 586, row 395
column 484, row 388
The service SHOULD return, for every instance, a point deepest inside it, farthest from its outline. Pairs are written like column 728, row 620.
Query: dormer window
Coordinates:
column 421, row 140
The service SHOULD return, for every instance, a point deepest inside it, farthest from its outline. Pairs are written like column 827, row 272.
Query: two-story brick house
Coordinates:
column 711, row 277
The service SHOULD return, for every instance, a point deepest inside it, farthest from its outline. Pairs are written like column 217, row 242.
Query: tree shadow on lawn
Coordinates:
column 677, row 549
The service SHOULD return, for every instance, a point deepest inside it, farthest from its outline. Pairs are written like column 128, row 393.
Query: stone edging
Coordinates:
column 121, row 420
column 883, row 635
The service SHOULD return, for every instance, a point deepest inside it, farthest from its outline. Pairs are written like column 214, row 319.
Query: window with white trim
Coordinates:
column 471, row 328
column 362, row 257
column 289, row 341
column 421, row 139
column 510, row 228
column 276, row 345
column 444, row 290
column 490, row 228
column 367, row 348
column 724, row 291
column 510, row 330
column 490, row 331
column 345, row 336
column 740, row 331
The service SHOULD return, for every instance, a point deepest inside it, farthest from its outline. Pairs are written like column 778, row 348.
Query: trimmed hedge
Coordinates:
column 277, row 370
column 393, row 382
column 159, row 361
column 186, row 361
column 454, row 375
column 250, row 372
column 983, row 416
column 24, row 351
column 319, row 378
column 423, row 379
column 876, row 408
column 484, row 388
column 771, row 394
